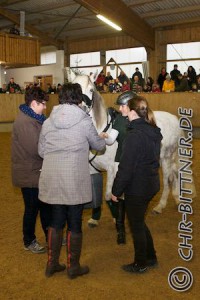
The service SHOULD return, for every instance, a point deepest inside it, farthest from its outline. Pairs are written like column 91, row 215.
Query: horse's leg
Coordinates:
column 166, row 171
column 175, row 186
column 113, row 206
column 111, row 172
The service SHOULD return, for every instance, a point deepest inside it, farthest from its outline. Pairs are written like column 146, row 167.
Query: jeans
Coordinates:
column 70, row 214
column 32, row 206
column 143, row 243
column 96, row 213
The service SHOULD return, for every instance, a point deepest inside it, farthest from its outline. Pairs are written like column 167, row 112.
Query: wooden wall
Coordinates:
column 9, row 106
column 169, row 102
column 15, row 50
column 156, row 58
column 102, row 43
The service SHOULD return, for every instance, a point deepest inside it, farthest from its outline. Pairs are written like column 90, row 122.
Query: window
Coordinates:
column 48, row 58
column 184, row 55
column 127, row 59
column 127, row 55
column 85, row 59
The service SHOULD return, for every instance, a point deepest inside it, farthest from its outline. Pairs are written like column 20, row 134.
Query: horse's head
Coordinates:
column 88, row 89
column 93, row 101
column 86, row 82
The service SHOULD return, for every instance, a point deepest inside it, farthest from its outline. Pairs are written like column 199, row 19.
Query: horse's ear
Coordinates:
column 70, row 74
column 93, row 76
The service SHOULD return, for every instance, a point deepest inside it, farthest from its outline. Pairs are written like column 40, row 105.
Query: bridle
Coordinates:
column 89, row 103
column 109, row 123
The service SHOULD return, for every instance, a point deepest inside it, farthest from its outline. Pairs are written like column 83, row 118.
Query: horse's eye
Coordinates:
column 92, row 90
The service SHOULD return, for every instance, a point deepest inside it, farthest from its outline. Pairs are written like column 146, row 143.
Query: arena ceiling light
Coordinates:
column 107, row 21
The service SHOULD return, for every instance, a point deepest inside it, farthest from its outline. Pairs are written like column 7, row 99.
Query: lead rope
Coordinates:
column 105, row 130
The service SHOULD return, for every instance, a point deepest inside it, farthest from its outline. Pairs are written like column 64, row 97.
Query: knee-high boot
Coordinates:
column 120, row 226
column 54, row 246
column 113, row 206
column 74, row 245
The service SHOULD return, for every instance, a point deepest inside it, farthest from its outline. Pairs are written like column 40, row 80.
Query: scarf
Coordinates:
column 28, row 111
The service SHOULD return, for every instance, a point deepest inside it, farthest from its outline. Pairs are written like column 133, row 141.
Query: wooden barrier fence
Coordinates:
column 169, row 102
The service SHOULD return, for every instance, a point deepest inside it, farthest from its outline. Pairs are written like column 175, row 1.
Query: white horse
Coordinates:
column 169, row 125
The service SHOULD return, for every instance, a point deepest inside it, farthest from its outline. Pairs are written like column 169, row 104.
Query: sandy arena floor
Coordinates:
column 22, row 273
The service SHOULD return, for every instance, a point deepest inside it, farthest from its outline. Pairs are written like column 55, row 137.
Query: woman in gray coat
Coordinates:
column 65, row 182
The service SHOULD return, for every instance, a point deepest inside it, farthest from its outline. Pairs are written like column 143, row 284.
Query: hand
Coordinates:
column 103, row 135
column 114, row 198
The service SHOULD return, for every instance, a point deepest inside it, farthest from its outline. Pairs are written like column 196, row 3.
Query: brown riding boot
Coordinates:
column 74, row 245
column 54, row 246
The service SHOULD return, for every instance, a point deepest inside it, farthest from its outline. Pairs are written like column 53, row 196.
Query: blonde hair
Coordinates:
column 140, row 105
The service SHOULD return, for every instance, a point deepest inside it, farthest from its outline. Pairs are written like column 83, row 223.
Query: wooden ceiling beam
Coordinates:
column 88, row 25
column 141, row 2
column 171, row 11
column 59, row 18
column 189, row 22
column 123, row 16
column 16, row 19
column 10, row 2
column 51, row 7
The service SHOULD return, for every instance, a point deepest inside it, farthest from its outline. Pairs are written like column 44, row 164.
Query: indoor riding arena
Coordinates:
column 149, row 48
column 22, row 273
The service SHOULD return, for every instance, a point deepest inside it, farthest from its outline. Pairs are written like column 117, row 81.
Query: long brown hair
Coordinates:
column 140, row 105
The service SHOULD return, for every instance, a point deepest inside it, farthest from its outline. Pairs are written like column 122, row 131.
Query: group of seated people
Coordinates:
column 50, row 89
column 11, row 87
column 14, row 88
column 173, row 82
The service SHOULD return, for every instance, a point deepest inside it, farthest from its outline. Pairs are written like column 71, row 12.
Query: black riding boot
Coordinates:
column 54, row 246
column 121, row 235
column 113, row 206
column 74, row 245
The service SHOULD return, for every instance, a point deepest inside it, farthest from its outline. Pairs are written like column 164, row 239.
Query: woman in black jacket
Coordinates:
column 138, row 179
column 192, row 76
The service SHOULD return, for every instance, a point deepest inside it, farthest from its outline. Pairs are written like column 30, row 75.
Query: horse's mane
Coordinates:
column 99, row 110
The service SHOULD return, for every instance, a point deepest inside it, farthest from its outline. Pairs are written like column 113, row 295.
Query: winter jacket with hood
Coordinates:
column 139, row 165
column 65, row 140
column 26, row 162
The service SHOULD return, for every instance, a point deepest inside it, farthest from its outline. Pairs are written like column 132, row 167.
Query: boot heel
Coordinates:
column 72, row 274
column 50, row 270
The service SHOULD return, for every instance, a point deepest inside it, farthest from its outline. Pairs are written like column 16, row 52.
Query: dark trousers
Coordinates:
column 96, row 213
column 143, row 243
column 70, row 214
column 32, row 205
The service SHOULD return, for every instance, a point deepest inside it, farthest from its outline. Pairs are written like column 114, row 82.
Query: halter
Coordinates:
column 89, row 103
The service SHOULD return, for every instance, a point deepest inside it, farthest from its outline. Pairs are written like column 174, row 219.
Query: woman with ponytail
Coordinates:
column 138, row 179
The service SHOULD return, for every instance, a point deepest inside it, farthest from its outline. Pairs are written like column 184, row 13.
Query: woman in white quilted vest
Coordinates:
column 65, row 183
